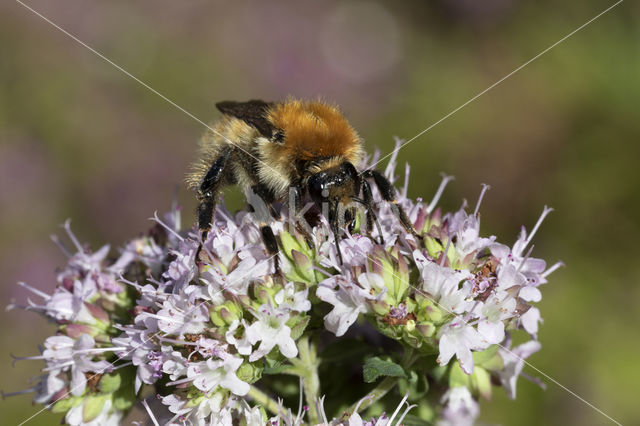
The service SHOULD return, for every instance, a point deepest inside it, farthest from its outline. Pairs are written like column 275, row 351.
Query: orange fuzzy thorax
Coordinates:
column 314, row 130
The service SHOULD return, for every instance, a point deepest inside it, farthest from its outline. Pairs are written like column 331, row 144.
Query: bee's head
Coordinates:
column 333, row 185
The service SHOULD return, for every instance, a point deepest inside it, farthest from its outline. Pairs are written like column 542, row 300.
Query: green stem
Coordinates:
column 385, row 386
column 377, row 393
column 309, row 363
column 264, row 400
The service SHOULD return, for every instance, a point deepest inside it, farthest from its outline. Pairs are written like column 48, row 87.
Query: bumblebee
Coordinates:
column 279, row 149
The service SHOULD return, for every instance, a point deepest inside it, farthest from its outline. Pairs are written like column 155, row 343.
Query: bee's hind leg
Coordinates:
column 388, row 193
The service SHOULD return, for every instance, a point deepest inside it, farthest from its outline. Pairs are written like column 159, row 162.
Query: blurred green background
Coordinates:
column 80, row 140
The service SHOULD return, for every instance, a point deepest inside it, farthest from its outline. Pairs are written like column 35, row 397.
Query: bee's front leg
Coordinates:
column 371, row 215
column 388, row 193
column 261, row 200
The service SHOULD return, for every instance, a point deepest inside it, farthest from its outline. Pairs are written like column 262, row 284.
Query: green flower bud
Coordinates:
column 64, row 405
column 434, row 248
column 426, row 329
column 380, row 307
column 410, row 325
column 93, row 406
column 489, row 359
column 427, row 310
column 249, row 372
column 224, row 314
column 299, row 268
column 110, row 382
column 394, row 271
column 481, row 382
column 457, row 377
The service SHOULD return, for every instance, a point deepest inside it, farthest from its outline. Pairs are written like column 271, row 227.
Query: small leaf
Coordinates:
column 417, row 385
column 277, row 368
column 376, row 367
column 298, row 324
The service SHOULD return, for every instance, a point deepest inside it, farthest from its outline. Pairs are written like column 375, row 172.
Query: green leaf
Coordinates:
column 417, row 385
column 376, row 367
column 277, row 368
column 298, row 324
column 93, row 406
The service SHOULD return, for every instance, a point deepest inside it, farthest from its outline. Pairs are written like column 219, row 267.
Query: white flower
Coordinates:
column 179, row 316
column 498, row 307
column 461, row 409
column 270, row 329
column 509, row 277
column 139, row 346
column 63, row 352
column 237, row 281
column 213, row 409
column 242, row 344
column 530, row 320
column 182, row 269
column 460, row 338
column 294, row 300
column 348, row 303
column 514, row 363
column 48, row 387
column 467, row 232
column 106, row 417
column 175, row 365
column 444, row 284
column 252, row 416
column 209, row 374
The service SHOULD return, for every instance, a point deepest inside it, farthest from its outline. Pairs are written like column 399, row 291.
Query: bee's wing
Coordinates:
column 252, row 112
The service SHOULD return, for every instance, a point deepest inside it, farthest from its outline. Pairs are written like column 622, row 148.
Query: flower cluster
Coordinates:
column 212, row 332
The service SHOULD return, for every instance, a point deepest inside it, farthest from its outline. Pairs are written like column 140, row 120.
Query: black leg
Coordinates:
column 296, row 193
column 267, row 197
column 333, row 222
column 388, row 193
column 208, row 190
column 371, row 215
